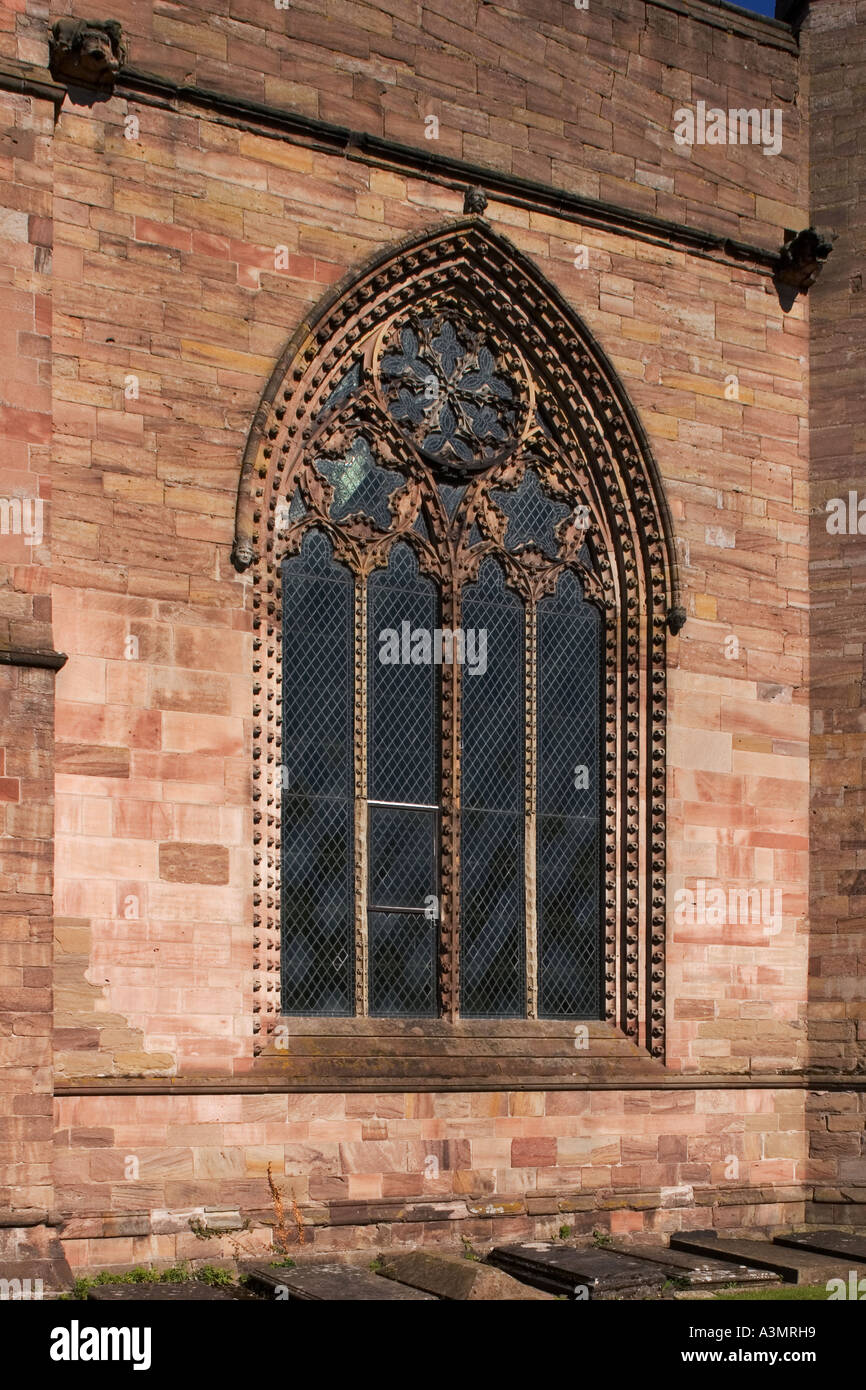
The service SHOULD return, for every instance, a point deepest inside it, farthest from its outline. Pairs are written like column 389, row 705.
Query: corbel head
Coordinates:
column 89, row 52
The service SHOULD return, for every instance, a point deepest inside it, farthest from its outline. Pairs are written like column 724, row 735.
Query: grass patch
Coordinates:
column 777, row 1293
column 176, row 1274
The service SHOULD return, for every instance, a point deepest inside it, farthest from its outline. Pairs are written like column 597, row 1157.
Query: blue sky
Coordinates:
column 759, row 6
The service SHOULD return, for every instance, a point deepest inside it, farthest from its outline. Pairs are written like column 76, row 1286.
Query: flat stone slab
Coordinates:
column 697, row 1271
column 834, row 1243
column 594, row 1274
column 331, row 1283
column 456, row 1278
column 794, row 1266
column 191, row 1291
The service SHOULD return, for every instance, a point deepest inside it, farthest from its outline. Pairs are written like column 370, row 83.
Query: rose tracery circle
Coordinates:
column 462, row 399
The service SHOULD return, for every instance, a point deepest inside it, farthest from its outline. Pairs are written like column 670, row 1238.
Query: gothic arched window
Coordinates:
column 463, row 573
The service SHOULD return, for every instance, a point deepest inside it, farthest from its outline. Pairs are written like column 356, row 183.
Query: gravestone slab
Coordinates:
column 697, row 1271
column 834, row 1243
column 191, row 1290
column 794, row 1266
column 453, row 1277
column 331, row 1283
column 564, row 1269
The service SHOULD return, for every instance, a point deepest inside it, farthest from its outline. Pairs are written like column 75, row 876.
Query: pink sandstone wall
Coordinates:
column 359, row 1168
column 168, row 317
column 26, row 692
column 835, row 52
column 164, row 273
column 164, row 270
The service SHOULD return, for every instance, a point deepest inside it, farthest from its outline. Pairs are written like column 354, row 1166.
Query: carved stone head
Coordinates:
column 474, row 201
column 87, row 51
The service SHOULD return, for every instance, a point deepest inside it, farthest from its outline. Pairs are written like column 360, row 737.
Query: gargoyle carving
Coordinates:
column 802, row 258
column 90, row 52
column 676, row 619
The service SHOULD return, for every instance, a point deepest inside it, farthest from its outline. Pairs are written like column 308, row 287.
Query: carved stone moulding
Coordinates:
column 459, row 362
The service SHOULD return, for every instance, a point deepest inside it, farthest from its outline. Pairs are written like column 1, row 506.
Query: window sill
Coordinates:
column 429, row 1054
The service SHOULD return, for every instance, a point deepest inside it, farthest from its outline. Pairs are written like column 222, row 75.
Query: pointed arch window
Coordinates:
column 463, row 571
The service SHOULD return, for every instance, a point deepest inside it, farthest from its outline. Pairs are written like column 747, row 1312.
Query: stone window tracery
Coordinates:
column 442, row 460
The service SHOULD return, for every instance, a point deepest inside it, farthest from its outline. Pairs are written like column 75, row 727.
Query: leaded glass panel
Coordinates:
column 317, row 800
column 493, row 925
column 569, row 803
column 402, row 964
column 402, row 857
column 403, row 718
column 403, row 700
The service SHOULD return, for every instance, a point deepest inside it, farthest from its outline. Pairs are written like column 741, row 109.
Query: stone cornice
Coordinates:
column 255, row 1086
column 456, row 174
column 30, row 80
column 733, row 19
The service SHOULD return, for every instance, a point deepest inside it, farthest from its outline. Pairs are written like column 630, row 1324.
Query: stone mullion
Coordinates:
column 651, row 683
column 273, row 975
column 449, row 890
column 630, row 1003
column 530, row 807
column 362, row 952
column 611, row 773
column 657, row 776
column 265, row 796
